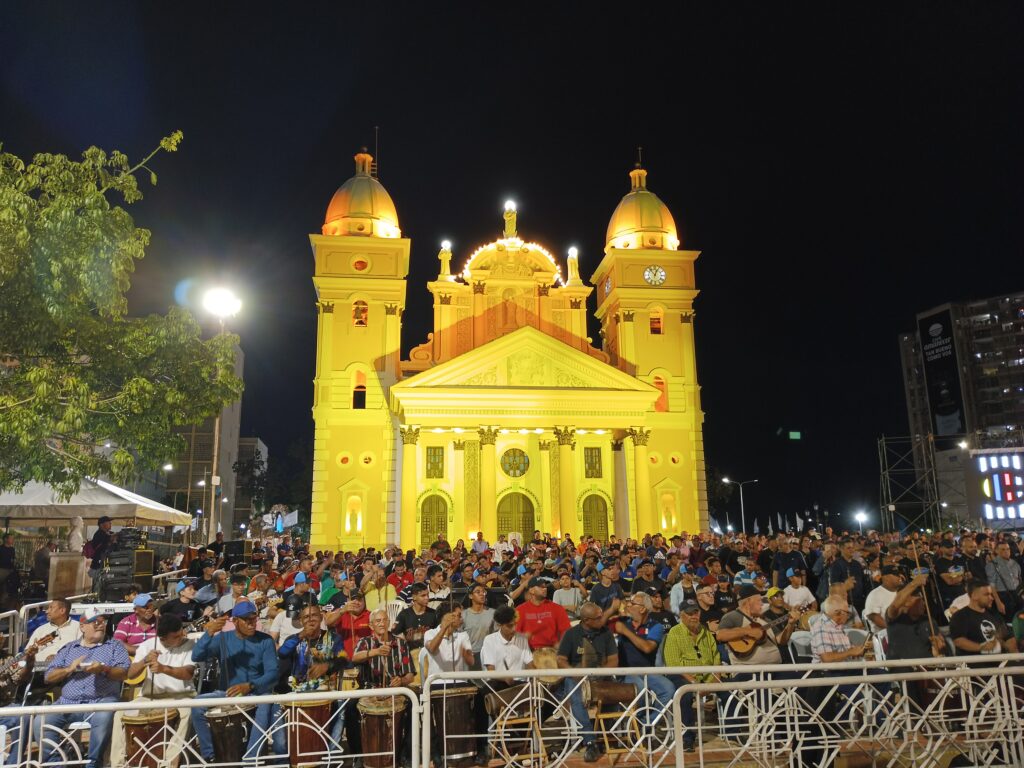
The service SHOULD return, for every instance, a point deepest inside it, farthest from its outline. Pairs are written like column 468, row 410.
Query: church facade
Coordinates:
column 507, row 418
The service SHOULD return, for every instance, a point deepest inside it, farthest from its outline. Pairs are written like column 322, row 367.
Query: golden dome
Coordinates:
column 362, row 206
column 641, row 220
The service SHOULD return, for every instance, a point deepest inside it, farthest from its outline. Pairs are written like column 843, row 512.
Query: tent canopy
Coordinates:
column 39, row 504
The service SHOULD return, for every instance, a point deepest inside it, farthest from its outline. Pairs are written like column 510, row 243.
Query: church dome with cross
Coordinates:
column 641, row 220
column 362, row 206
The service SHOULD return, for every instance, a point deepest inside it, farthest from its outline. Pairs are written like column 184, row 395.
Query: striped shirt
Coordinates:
column 827, row 637
column 86, row 687
column 133, row 632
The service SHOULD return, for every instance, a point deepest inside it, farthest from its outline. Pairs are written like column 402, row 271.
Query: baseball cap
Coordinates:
column 550, row 561
column 186, row 583
column 793, row 572
column 537, row 581
column 300, row 578
column 773, row 592
column 243, row 609
column 103, row 520
column 90, row 615
column 709, row 581
column 748, row 591
column 652, row 591
column 209, row 564
column 689, row 606
column 891, row 570
column 946, row 543
column 645, row 561
column 723, row 577
column 142, row 600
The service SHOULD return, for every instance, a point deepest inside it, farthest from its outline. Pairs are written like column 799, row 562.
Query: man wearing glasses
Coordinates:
column 641, row 636
column 829, row 641
column 691, row 644
column 91, row 670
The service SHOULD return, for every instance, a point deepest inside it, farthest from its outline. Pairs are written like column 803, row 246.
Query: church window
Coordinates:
column 592, row 462
column 359, row 391
column 359, row 314
column 656, row 318
column 515, row 462
column 435, row 461
column 661, row 404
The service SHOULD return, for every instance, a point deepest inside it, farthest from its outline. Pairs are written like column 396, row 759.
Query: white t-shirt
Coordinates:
column 71, row 630
column 798, row 597
column 172, row 657
column 878, row 601
column 504, row 654
column 449, row 656
column 284, row 627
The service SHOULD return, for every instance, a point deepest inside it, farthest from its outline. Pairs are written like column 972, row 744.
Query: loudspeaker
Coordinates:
column 237, row 551
column 143, row 562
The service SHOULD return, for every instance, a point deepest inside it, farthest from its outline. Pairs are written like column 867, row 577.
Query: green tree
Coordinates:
column 252, row 474
column 86, row 390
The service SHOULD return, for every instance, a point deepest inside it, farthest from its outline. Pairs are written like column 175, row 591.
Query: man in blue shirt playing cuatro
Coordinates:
column 248, row 667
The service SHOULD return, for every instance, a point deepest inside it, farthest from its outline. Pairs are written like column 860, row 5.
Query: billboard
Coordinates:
column 995, row 486
column 941, row 373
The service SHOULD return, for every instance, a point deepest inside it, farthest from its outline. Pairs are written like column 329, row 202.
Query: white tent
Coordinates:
column 40, row 505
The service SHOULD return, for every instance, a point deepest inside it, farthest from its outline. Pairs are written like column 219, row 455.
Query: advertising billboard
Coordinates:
column 995, row 487
column 941, row 373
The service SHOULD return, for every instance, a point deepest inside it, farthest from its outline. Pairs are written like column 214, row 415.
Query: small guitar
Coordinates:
column 743, row 647
column 9, row 668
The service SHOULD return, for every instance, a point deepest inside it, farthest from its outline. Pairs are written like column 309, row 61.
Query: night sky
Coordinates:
column 840, row 167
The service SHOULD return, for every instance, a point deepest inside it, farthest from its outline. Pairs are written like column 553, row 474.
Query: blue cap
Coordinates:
column 243, row 609
column 142, row 600
column 300, row 578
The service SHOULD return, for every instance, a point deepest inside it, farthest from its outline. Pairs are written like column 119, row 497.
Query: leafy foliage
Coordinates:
column 252, row 480
column 85, row 390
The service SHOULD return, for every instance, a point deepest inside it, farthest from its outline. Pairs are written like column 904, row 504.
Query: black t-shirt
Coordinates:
column 604, row 596
column 189, row 611
column 585, row 648
column 413, row 625
column 293, row 603
column 217, row 547
column 943, row 565
column 640, row 585
column 726, row 601
column 713, row 614
column 908, row 639
column 977, row 627
column 7, row 558
column 975, row 567
column 664, row 618
column 764, row 560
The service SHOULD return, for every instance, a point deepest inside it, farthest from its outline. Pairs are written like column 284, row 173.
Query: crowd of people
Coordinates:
column 292, row 619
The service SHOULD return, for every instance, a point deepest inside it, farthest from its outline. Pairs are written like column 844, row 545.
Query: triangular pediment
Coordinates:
column 526, row 358
column 525, row 371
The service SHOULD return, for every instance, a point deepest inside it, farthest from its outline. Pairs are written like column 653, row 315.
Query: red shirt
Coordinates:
column 545, row 623
column 400, row 583
column 352, row 629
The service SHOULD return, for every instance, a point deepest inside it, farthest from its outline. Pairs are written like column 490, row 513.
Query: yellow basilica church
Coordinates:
column 506, row 419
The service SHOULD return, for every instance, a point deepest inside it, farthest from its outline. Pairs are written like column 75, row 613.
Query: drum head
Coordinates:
column 149, row 716
column 381, row 705
column 229, row 711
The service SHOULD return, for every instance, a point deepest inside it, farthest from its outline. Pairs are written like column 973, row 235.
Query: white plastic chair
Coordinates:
column 394, row 607
column 800, row 646
column 880, row 644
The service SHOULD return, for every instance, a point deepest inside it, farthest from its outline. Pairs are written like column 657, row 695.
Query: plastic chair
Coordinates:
column 880, row 644
column 394, row 607
column 800, row 646
column 857, row 636
column 814, row 619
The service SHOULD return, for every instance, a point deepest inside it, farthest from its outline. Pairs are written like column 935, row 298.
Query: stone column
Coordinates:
column 545, row 486
column 459, row 481
column 479, row 321
column 488, row 504
column 544, row 308
column 392, row 344
column 621, row 490
column 409, row 538
column 566, row 483
column 645, row 522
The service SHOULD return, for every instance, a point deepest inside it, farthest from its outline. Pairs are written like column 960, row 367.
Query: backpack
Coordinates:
column 89, row 550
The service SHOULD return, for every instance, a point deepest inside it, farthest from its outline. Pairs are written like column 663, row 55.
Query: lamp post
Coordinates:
column 222, row 304
column 861, row 518
column 740, row 483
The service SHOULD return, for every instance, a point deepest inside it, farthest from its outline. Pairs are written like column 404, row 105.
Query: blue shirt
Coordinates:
column 629, row 654
column 249, row 660
column 85, row 687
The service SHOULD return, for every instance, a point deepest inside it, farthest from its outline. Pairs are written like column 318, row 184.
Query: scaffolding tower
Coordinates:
column 909, row 489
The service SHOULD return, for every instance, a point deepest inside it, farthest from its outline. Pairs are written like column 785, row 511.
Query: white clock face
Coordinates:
column 654, row 275
column 607, row 286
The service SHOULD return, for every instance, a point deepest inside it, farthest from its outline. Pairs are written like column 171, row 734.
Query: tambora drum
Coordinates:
column 308, row 732
column 381, row 718
column 229, row 729
column 350, row 680
column 603, row 692
column 453, row 723
column 546, row 658
column 145, row 734
column 511, row 702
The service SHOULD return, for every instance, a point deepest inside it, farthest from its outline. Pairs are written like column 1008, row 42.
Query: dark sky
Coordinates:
column 840, row 167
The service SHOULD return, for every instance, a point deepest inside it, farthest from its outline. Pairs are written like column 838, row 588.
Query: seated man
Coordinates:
column 691, row 644
column 165, row 664
column 91, row 670
column 641, row 635
column 589, row 644
column 139, row 626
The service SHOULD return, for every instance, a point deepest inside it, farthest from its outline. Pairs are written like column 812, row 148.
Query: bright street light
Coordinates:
column 168, row 467
column 743, row 514
column 861, row 518
column 962, row 445
column 201, row 483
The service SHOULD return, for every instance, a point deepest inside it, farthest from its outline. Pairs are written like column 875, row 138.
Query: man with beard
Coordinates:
column 977, row 629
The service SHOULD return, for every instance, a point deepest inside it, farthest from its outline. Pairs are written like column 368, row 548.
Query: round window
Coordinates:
column 515, row 462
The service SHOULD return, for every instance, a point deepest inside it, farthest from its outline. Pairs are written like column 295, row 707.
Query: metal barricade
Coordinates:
column 10, row 624
column 167, row 582
column 251, row 731
column 28, row 611
column 544, row 716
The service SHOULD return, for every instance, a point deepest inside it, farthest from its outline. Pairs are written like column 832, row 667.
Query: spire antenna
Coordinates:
column 639, row 157
column 375, row 165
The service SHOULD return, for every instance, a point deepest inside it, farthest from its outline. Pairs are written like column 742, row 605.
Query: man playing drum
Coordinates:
column 248, row 666
column 165, row 662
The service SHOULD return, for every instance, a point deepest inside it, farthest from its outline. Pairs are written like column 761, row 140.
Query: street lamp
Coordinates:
column 861, row 518
column 740, row 483
column 222, row 303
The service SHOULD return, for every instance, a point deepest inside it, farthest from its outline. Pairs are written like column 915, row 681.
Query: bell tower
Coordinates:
column 361, row 262
column 645, row 288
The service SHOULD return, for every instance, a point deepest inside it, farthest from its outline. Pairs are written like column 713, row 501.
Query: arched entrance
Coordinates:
column 433, row 518
column 515, row 513
column 595, row 517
